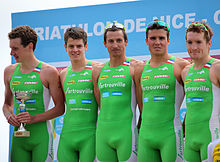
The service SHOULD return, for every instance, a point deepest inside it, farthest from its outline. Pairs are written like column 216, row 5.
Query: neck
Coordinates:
column 199, row 63
column 78, row 65
column 29, row 64
column 117, row 61
column 158, row 60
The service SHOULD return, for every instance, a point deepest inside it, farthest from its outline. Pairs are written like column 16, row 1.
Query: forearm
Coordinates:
column 7, row 111
column 48, row 115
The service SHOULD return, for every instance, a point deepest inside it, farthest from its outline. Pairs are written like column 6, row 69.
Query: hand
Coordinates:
column 24, row 117
column 12, row 119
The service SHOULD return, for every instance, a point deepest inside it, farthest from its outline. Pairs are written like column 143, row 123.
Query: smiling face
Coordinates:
column 197, row 46
column 18, row 51
column 115, row 43
column 75, row 49
column 157, row 41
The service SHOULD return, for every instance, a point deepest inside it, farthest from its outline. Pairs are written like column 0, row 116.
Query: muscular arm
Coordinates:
column 97, row 67
column 50, row 78
column 180, row 64
column 214, row 73
column 137, row 79
column 8, row 102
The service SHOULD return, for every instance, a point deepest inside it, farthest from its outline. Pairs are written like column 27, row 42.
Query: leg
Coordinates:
column 87, row 150
column 65, row 151
column 172, row 149
column 18, row 151
column 191, row 155
column 105, row 153
column 145, row 152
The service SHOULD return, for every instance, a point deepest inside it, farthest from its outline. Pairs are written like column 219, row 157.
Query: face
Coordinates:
column 18, row 51
column 75, row 49
column 115, row 43
column 197, row 46
column 157, row 41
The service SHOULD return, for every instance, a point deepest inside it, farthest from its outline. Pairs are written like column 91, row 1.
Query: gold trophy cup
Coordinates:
column 22, row 96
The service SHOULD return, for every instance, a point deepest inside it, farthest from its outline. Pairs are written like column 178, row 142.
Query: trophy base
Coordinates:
column 22, row 133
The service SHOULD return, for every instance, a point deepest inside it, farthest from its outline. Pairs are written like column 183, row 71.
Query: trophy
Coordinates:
column 22, row 96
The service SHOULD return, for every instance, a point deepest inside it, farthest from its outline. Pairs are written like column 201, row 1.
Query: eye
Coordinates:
column 79, row 46
column 119, row 40
column 152, row 38
column 71, row 46
column 162, row 38
column 189, row 42
column 110, row 41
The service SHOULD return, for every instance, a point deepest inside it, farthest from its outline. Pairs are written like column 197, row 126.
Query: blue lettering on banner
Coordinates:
column 197, row 99
column 105, row 94
column 86, row 101
column 72, row 101
column 160, row 98
column 188, row 100
column 116, row 93
column 145, row 99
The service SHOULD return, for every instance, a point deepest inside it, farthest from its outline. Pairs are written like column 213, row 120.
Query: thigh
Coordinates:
column 191, row 155
column 146, row 152
column 43, row 150
column 19, row 152
column 66, row 151
column 87, row 150
column 172, row 149
column 104, row 152
column 127, row 146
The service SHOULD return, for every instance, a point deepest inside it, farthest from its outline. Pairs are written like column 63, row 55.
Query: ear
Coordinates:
column 104, row 44
column 210, row 43
column 65, row 46
column 86, row 46
column 31, row 46
column 126, row 42
column 168, row 41
column 146, row 40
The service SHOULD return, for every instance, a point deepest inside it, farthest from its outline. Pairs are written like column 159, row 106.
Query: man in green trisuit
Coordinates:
column 43, row 82
column 77, row 139
column 160, row 95
column 116, row 135
column 202, row 88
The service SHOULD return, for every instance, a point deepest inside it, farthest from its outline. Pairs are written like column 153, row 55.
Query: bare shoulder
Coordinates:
column 216, row 64
column 63, row 72
column 9, row 71
column 10, row 68
column 185, row 71
column 138, row 65
column 48, row 69
column 182, row 62
column 97, row 67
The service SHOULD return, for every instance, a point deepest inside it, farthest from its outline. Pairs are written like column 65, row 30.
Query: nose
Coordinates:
column 75, row 49
column 194, row 46
column 157, row 41
column 12, row 53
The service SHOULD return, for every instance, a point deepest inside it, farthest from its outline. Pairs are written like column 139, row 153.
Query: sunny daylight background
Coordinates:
column 12, row 6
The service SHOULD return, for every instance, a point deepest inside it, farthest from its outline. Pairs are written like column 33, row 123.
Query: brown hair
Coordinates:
column 26, row 33
column 75, row 33
column 200, row 27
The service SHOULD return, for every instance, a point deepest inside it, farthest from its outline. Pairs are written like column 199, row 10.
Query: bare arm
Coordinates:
column 97, row 67
column 8, row 102
column 180, row 64
column 137, row 78
column 50, row 78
